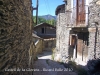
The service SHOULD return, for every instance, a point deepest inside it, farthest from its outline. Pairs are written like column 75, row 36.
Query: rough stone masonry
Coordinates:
column 94, row 38
column 94, row 21
column 66, row 23
column 15, row 36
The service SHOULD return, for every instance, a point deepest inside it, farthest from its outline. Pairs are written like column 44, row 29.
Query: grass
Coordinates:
column 52, row 56
column 53, row 51
column 36, row 58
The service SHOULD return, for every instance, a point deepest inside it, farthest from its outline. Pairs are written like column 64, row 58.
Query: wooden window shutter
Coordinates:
column 80, row 12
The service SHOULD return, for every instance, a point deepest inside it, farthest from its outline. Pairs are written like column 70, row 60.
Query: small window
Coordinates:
column 42, row 30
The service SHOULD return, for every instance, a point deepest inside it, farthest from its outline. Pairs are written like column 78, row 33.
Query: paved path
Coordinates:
column 45, row 55
column 46, row 66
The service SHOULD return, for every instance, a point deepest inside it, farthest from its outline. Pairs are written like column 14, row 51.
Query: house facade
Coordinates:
column 47, row 33
column 77, row 31
column 45, row 30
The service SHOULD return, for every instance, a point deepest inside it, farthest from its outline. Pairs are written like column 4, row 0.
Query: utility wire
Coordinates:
column 47, row 6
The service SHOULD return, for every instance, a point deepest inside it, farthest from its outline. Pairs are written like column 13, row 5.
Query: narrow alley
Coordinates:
column 63, row 41
column 46, row 66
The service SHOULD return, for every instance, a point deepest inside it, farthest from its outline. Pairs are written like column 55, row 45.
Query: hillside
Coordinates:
column 48, row 17
column 45, row 19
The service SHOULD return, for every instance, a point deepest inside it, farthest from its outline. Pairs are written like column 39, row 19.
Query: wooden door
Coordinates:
column 82, row 46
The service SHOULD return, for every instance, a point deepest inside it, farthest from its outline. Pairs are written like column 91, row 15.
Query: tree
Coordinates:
column 42, row 20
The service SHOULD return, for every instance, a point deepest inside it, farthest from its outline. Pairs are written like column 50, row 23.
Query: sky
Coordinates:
column 46, row 6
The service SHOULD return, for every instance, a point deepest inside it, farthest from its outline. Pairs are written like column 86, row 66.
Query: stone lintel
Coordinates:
column 69, row 28
column 80, row 29
column 92, row 29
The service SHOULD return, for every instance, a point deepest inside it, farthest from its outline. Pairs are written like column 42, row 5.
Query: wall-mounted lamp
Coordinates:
column 65, row 1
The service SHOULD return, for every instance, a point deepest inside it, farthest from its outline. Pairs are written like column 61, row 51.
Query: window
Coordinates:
column 42, row 30
column 80, row 11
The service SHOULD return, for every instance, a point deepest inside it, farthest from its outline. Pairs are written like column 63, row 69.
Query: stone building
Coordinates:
column 15, row 37
column 77, row 31
column 48, row 33
column 45, row 30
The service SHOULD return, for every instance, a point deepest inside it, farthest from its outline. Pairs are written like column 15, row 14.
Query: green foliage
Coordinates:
column 52, row 56
column 53, row 52
column 36, row 58
column 42, row 20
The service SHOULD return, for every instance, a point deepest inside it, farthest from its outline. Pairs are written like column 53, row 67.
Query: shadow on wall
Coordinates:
column 94, row 67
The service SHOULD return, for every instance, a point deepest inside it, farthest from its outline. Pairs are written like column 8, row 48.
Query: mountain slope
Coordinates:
column 48, row 17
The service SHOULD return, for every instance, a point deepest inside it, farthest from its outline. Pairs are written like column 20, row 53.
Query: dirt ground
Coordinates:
column 46, row 66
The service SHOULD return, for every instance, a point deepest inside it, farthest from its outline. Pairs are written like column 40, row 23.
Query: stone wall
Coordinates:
column 64, row 26
column 15, row 35
column 37, row 48
column 62, row 36
column 68, row 6
column 94, row 38
column 49, row 44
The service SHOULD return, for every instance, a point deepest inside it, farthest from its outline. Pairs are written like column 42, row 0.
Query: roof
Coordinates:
column 46, row 24
column 47, row 36
column 35, row 36
column 59, row 8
